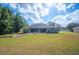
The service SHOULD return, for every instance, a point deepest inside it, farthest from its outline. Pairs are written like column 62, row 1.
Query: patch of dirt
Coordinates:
column 11, row 36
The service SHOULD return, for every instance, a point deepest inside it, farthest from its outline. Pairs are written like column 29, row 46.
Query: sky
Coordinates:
column 61, row 13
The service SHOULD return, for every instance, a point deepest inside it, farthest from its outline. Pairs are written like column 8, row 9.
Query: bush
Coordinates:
column 24, row 30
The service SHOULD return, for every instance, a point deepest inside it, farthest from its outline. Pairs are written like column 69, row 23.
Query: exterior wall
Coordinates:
column 52, row 30
column 43, row 30
column 40, row 30
column 76, row 29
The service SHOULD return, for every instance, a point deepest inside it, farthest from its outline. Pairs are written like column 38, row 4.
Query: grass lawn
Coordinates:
column 35, row 44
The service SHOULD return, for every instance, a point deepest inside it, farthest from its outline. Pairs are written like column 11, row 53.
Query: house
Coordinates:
column 42, row 28
column 76, row 29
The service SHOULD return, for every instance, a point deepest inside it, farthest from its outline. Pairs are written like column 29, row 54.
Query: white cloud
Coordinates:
column 44, row 12
column 70, row 5
column 61, row 7
column 21, row 10
column 37, row 21
column 50, row 4
column 36, row 10
column 75, row 16
column 69, row 18
column 60, row 20
column 13, row 5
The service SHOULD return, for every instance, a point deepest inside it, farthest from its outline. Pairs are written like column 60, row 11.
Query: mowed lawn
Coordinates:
column 41, row 44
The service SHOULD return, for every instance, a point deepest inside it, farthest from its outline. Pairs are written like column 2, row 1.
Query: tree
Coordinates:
column 25, row 27
column 17, row 23
column 5, row 17
column 70, row 26
column 9, row 22
column 53, row 24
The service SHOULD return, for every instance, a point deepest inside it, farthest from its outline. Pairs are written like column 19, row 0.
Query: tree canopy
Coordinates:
column 70, row 26
column 9, row 22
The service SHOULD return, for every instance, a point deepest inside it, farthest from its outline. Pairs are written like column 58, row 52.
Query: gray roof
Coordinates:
column 40, row 25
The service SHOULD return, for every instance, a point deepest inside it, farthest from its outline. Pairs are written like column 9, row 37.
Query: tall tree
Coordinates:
column 70, row 26
column 5, row 17
column 9, row 22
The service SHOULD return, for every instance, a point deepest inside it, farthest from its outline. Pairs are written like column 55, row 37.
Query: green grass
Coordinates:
column 35, row 44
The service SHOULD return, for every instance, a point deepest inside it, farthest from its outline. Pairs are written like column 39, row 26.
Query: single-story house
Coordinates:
column 76, row 29
column 42, row 28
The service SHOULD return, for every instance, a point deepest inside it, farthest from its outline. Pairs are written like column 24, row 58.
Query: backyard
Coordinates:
column 40, row 44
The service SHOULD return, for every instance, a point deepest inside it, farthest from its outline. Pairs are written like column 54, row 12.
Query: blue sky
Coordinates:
column 61, row 13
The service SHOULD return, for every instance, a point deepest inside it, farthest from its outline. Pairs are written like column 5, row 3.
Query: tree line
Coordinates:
column 10, row 22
